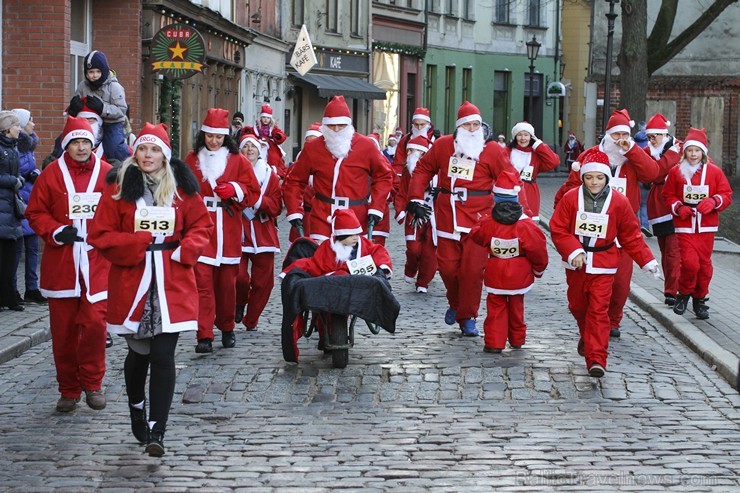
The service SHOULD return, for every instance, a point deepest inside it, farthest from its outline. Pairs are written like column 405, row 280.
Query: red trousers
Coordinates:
column 461, row 266
column 254, row 290
column 504, row 320
column 78, row 343
column 696, row 263
column 588, row 301
column 379, row 240
column 216, row 297
column 421, row 258
column 620, row 289
column 670, row 260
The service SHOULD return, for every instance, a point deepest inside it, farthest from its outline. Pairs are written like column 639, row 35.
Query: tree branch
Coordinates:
column 661, row 33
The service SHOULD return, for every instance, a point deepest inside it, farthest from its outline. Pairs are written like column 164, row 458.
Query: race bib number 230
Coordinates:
column 83, row 205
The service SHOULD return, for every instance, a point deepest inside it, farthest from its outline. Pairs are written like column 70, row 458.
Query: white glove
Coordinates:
column 653, row 268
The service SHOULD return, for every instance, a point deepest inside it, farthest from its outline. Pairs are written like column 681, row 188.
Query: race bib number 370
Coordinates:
column 505, row 247
column 591, row 224
column 155, row 220
column 83, row 205
column 363, row 266
column 461, row 168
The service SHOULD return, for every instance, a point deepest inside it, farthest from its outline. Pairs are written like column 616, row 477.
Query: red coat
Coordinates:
column 513, row 275
column 48, row 213
column 399, row 159
column 657, row 208
column 454, row 216
column 530, row 162
column 402, row 200
column 275, row 153
column 225, row 246
column 324, row 260
column 260, row 233
column 112, row 232
column 364, row 172
column 622, row 226
column 719, row 188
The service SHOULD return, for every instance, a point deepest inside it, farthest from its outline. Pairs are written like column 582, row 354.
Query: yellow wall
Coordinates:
column 576, row 28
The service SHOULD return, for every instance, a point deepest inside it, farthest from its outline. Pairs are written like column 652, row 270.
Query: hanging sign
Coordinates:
column 178, row 51
column 303, row 58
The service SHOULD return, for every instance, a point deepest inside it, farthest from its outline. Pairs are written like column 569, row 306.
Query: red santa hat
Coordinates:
column 619, row 122
column 249, row 137
column 266, row 111
column 468, row 112
column 337, row 112
column 86, row 112
column 657, row 125
column 522, row 127
column 696, row 137
column 508, row 183
column 375, row 136
column 421, row 114
column 399, row 131
column 216, row 122
column 593, row 160
column 76, row 128
column 501, row 136
column 157, row 135
column 345, row 222
column 419, row 143
column 313, row 131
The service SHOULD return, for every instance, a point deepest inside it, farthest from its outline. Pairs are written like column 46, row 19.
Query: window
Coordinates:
column 296, row 14
column 433, row 6
column 429, row 99
column 80, row 41
column 354, row 21
column 501, row 13
column 533, row 13
column 452, row 7
column 450, row 112
column 332, row 16
column 467, row 84
column 500, row 102
column 467, row 12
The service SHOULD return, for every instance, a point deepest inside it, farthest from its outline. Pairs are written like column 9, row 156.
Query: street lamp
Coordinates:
column 611, row 17
column 533, row 48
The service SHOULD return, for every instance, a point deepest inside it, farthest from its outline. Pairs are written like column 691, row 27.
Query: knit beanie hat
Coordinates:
column 23, row 116
column 96, row 59
column 8, row 119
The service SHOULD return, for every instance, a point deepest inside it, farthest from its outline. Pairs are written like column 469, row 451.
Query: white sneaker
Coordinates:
column 409, row 280
column 421, row 289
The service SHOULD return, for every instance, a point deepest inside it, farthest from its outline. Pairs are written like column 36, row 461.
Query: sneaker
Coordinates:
column 596, row 371
column 581, row 348
column 682, row 302
column 468, row 328
column 518, row 346
column 409, row 280
column 615, row 333
column 670, row 300
column 67, row 404
column 493, row 350
column 228, row 339
column 155, row 443
column 646, row 232
column 95, row 399
column 204, row 346
column 34, row 296
column 450, row 316
column 139, row 426
column 251, row 329
column 421, row 289
column 108, row 340
column 701, row 310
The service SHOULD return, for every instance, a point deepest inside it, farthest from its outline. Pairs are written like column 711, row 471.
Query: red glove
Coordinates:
column 685, row 212
column 225, row 191
column 707, row 205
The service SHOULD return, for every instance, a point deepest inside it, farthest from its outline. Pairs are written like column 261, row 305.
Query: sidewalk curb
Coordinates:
column 18, row 344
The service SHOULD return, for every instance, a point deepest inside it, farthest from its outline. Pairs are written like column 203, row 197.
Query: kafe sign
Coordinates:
column 178, row 51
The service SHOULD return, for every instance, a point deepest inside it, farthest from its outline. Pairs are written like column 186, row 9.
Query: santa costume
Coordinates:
column 587, row 226
column 517, row 253
column 227, row 185
column 74, row 275
column 696, row 193
column 274, row 137
column 530, row 161
column 382, row 230
column 260, row 243
column 348, row 171
column 313, row 132
column 421, row 115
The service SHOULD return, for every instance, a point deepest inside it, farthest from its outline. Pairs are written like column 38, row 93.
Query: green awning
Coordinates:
column 338, row 85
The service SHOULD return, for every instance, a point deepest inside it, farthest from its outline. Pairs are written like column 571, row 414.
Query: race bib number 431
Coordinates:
column 591, row 224
column 461, row 168
column 363, row 266
column 155, row 220
column 83, row 205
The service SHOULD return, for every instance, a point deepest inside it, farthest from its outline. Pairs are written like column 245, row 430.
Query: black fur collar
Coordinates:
column 133, row 182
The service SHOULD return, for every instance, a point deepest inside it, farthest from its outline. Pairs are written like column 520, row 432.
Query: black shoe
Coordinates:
column 596, row 370
column 239, row 313
column 670, row 300
column 155, row 443
column 108, row 340
column 581, row 348
column 34, row 296
column 17, row 308
column 139, row 426
column 228, row 339
column 493, row 350
column 701, row 310
column 615, row 333
column 18, row 298
column 682, row 302
column 646, row 232
column 204, row 346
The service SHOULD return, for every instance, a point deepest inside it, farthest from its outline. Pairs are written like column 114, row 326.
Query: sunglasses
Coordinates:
column 654, row 136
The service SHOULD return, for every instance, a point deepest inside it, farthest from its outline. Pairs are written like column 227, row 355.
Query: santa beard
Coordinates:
column 391, row 150
column 656, row 151
column 687, row 170
column 412, row 159
column 343, row 252
column 415, row 132
column 610, row 148
column 468, row 143
column 97, row 130
column 212, row 163
column 338, row 143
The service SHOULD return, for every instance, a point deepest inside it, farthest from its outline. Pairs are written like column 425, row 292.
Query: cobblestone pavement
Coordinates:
column 422, row 410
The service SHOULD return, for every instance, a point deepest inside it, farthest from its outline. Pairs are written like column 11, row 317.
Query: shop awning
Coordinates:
column 337, row 85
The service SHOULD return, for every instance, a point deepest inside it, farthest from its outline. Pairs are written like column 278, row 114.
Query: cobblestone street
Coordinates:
column 422, row 410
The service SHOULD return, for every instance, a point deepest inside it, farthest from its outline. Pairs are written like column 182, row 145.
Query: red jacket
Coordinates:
column 401, row 201
column 260, row 232
column 530, row 162
column 399, row 159
column 48, row 213
column 658, row 210
column 324, row 261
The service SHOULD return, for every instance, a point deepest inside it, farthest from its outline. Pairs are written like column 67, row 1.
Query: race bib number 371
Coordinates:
column 155, row 220
column 461, row 168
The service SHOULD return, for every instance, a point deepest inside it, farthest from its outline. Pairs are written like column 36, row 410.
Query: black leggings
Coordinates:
column 161, row 357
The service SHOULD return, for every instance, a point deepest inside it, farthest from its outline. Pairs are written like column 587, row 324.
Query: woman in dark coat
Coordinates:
column 10, row 218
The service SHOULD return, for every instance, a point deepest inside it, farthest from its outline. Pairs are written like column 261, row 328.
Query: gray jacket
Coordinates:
column 113, row 96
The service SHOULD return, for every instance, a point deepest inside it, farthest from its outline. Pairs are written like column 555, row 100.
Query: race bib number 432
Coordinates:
column 363, row 266
column 591, row 224
column 83, row 205
column 693, row 194
column 155, row 220
column 461, row 168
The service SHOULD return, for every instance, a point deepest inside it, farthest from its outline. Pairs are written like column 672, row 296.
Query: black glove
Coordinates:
column 372, row 221
column 95, row 104
column 420, row 213
column 434, row 191
column 75, row 106
column 32, row 176
column 297, row 223
column 67, row 236
column 436, row 133
column 19, row 182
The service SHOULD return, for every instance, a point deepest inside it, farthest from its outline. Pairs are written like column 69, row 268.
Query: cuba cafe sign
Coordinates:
column 178, row 51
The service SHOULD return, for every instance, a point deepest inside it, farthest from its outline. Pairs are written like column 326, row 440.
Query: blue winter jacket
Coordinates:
column 10, row 226
column 26, row 145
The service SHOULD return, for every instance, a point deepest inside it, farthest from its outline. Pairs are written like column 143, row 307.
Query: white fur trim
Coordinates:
column 695, row 143
column 312, row 133
column 90, row 114
column 507, row 191
column 252, row 140
column 214, row 130
column 153, row 139
column 619, row 128
column 238, row 190
column 57, row 231
column 522, row 126
column 417, row 147
column 336, row 120
column 77, row 134
column 345, row 232
column 599, row 167
column 176, row 254
column 421, row 117
column 469, row 118
column 576, row 166
column 375, row 212
column 296, row 215
column 268, row 115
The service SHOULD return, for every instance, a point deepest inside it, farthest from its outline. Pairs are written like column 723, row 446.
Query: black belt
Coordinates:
column 218, row 204
column 598, row 249
column 471, row 193
column 333, row 201
column 530, row 181
column 158, row 247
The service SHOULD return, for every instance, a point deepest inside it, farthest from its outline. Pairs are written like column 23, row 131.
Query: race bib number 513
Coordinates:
column 155, row 220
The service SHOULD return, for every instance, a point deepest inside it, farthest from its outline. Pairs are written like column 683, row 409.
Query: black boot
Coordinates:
column 701, row 310
column 682, row 302
column 155, row 441
column 239, row 313
column 139, row 426
column 670, row 300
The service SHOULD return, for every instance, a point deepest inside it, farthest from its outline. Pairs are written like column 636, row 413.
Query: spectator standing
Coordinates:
column 10, row 216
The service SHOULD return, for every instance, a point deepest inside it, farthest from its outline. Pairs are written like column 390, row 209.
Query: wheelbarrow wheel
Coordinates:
column 289, row 338
column 339, row 336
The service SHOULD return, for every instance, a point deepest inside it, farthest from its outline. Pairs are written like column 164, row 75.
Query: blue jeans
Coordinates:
column 32, row 261
column 643, row 207
column 114, row 142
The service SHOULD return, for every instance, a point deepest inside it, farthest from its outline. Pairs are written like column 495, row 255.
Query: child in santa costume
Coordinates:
column 313, row 132
column 421, row 125
column 74, row 275
column 152, row 226
column 265, row 128
column 665, row 150
column 696, row 191
column 260, row 243
column 421, row 239
column 530, row 156
column 227, row 185
column 382, row 230
column 585, row 227
column 517, row 254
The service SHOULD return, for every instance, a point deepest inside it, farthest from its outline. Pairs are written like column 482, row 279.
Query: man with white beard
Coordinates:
column 421, row 124
column 630, row 166
column 348, row 170
column 466, row 168
column 228, row 185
